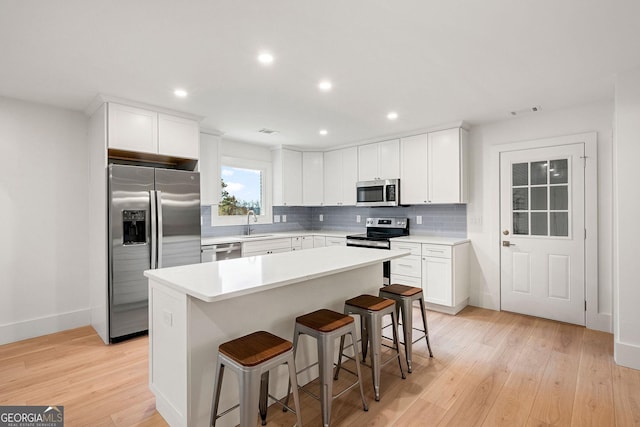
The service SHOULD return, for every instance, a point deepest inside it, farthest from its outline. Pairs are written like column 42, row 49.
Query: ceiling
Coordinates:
column 433, row 62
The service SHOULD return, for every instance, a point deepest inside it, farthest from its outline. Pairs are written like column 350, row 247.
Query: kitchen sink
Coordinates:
column 253, row 236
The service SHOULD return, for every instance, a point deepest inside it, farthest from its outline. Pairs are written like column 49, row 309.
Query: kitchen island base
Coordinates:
column 185, row 333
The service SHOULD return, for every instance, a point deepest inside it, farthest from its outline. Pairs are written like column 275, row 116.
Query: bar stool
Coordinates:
column 325, row 326
column 251, row 357
column 405, row 296
column 371, row 310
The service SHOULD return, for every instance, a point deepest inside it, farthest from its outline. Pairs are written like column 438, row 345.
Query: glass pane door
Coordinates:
column 540, row 198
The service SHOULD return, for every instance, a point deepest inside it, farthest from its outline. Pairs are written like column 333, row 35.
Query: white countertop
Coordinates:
column 217, row 281
column 274, row 235
column 435, row 240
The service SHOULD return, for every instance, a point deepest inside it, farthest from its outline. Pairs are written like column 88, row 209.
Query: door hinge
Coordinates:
column 584, row 163
column 585, row 305
column 585, row 234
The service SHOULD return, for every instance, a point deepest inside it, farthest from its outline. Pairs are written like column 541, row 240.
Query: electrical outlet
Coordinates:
column 321, row 218
column 358, row 218
column 284, row 218
column 419, row 219
column 276, row 218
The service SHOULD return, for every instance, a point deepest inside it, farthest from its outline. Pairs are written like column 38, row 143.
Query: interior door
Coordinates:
column 543, row 233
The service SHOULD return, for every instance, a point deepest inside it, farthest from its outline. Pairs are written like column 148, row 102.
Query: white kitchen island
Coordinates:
column 195, row 308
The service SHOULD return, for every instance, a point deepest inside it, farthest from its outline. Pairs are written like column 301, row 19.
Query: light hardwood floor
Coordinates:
column 490, row 369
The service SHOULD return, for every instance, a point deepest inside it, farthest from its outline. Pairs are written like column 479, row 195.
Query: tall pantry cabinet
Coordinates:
column 135, row 132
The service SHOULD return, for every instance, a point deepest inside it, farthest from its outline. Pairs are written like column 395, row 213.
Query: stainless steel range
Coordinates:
column 378, row 235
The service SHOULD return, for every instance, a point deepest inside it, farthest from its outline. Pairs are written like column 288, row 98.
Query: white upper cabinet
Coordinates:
column 209, row 168
column 132, row 129
column 340, row 177
column 312, row 179
column 446, row 166
column 413, row 179
column 433, row 168
column 287, row 177
column 145, row 131
column 178, row 137
column 379, row 161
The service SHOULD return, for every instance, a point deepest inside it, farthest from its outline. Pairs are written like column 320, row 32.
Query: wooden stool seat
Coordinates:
column 255, row 348
column 370, row 302
column 324, row 320
column 251, row 357
column 402, row 290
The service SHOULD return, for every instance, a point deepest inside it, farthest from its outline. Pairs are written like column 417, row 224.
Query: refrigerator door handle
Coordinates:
column 154, row 231
column 159, row 207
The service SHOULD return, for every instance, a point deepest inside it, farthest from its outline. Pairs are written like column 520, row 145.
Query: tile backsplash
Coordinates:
column 437, row 220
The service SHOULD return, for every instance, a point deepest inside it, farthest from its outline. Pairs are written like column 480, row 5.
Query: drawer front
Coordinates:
column 415, row 248
column 437, row 251
column 407, row 266
column 319, row 242
column 266, row 245
column 398, row 279
column 336, row 241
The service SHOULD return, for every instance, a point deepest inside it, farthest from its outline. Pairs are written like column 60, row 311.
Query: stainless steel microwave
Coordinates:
column 381, row 192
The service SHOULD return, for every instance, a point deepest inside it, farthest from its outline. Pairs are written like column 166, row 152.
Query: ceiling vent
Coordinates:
column 268, row 131
column 533, row 109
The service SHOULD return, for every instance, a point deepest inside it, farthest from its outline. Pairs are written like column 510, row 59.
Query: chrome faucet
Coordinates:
column 255, row 219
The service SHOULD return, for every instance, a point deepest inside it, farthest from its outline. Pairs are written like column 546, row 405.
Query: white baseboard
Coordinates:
column 31, row 328
column 627, row 355
column 600, row 322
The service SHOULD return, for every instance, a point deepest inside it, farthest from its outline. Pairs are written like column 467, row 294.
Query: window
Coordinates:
column 244, row 186
column 540, row 198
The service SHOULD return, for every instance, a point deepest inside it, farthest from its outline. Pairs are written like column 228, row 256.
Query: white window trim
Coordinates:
column 238, row 162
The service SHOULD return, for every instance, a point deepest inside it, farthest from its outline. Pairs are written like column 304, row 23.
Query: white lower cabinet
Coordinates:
column 266, row 247
column 407, row 270
column 441, row 271
column 307, row 242
column 436, row 279
column 319, row 242
column 301, row 242
column 335, row 241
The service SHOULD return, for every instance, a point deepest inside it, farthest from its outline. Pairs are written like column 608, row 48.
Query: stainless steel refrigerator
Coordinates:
column 154, row 222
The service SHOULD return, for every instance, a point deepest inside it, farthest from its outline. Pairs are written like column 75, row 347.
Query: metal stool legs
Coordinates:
column 371, row 326
column 253, row 388
column 326, row 348
column 405, row 296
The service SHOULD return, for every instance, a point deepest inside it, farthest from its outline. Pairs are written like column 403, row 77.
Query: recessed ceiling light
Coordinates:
column 323, row 132
column 392, row 115
column 180, row 93
column 325, row 85
column 265, row 58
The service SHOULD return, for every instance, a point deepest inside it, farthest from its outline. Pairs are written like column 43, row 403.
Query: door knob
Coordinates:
column 505, row 232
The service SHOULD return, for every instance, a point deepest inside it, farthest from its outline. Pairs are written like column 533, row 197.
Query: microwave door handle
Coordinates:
column 154, row 231
column 159, row 207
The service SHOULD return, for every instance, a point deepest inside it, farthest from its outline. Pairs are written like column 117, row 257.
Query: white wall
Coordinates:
column 627, row 206
column 43, row 220
column 483, row 226
column 244, row 150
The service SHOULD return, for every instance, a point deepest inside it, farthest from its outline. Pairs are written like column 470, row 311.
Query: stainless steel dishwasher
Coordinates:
column 221, row 251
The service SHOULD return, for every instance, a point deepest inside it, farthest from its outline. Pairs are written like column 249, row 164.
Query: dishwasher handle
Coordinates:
column 221, row 251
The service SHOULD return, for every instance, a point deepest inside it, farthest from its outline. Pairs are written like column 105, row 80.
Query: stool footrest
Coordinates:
column 227, row 411
column 284, row 406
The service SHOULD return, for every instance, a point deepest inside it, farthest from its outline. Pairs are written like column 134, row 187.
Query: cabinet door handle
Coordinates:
column 405, row 265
